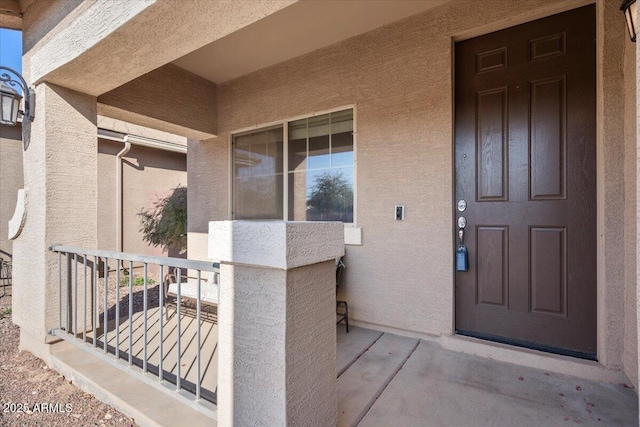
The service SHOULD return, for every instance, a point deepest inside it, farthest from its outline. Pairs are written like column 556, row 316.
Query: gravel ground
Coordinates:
column 26, row 380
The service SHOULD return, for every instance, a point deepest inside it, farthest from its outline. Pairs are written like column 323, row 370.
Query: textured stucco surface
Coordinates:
column 105, row 45
column 630, row 359
column 638, row 193
column 60, row 174
column 275, row 244
column 41, row 21
column 611, row 195
column 168, row 98
column 10, row 180
column 400, row 78
column 277, row 331
column 116, row 125
column 148, row 174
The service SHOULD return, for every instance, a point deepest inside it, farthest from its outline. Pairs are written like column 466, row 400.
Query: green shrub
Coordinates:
column 138, row 280
column 165, row 225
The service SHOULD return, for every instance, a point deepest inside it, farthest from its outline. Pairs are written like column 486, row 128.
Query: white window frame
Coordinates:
column 285, row 153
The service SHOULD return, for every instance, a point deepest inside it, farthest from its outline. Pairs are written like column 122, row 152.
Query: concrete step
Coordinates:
column 361, row 384
column 147, row 405
column 352, row 345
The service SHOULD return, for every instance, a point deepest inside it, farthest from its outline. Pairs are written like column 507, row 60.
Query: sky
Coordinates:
column 11, row 49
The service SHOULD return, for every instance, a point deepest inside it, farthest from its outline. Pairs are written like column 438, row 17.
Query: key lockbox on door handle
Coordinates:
column 462, row 257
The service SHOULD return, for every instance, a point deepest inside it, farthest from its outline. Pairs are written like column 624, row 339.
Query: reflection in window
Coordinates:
column 321, row 168
column 257, row 165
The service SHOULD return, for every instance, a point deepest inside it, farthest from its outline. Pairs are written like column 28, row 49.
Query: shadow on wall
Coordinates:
column 165, row 224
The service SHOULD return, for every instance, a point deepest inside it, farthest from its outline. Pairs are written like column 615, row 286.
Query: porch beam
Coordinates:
column 169, row 99
column 108, row 45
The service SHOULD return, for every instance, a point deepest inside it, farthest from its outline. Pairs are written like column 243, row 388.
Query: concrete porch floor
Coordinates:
column 383, row 380
column 388, row 380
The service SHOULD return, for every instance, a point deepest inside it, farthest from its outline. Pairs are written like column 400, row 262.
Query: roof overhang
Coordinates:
column 303, row 27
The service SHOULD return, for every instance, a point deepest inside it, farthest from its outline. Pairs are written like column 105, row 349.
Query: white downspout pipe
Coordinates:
column 119, row 178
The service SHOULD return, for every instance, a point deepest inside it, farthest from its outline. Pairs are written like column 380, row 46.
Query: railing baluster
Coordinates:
column 198, row 315
column 96, row 268
column 118, row 309
column 75, row 295
column 84, row 313
column 67, row 293
column 144, row 309
column 130, row 313
column 160, row 369
column 178, row 379
column 106, row 302
column 60, row 289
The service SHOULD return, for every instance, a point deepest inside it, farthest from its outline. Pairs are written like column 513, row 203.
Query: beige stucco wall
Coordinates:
column 10, row 181
column 168, row 98
column 630, row 360
column 400, row 79
column 148, row 174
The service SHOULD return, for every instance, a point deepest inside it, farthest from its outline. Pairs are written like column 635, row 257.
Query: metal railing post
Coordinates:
column 60, row 289
column 117, row 352
column 96, row 267
column 160, row 363
column 67, row 294
column 84, row 329
column 178, row 314
column 105, row 315
column 198, row 315
column 130, row 313
column 75, row 295
column 144, row 309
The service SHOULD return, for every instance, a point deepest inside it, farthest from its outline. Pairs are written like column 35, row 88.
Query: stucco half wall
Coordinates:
column 399, row 77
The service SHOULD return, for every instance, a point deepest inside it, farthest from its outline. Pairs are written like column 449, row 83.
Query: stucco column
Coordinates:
column 60, row 178
column 276, row 319
column 638, row 205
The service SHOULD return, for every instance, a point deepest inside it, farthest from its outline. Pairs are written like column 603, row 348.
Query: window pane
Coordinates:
column 342, row 138
column 319, row 129
column 330, row 195
column 342, row 149
column 258, row 197
column 257, row 184
column 298, row 145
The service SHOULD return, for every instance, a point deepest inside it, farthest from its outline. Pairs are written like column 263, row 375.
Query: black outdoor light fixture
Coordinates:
column 629, row 9
column 10, row 98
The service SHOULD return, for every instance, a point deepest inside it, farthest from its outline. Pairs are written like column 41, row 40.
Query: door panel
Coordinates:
column 525, row 164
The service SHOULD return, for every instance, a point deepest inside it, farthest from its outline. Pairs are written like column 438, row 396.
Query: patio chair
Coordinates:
column 5, row 275
column 342, row 316
column 189, row 295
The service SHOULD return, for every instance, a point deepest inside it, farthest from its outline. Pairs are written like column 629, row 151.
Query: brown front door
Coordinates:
column 525, row 157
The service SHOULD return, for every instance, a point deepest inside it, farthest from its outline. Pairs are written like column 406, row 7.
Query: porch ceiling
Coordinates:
column 298, row 29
